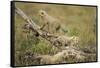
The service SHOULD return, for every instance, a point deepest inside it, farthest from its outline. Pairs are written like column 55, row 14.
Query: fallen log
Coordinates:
column 70, row 55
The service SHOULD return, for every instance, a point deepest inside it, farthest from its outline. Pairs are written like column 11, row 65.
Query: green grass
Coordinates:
column 81, row 22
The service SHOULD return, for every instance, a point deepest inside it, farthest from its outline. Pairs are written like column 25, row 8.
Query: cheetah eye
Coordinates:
column 42, row 13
